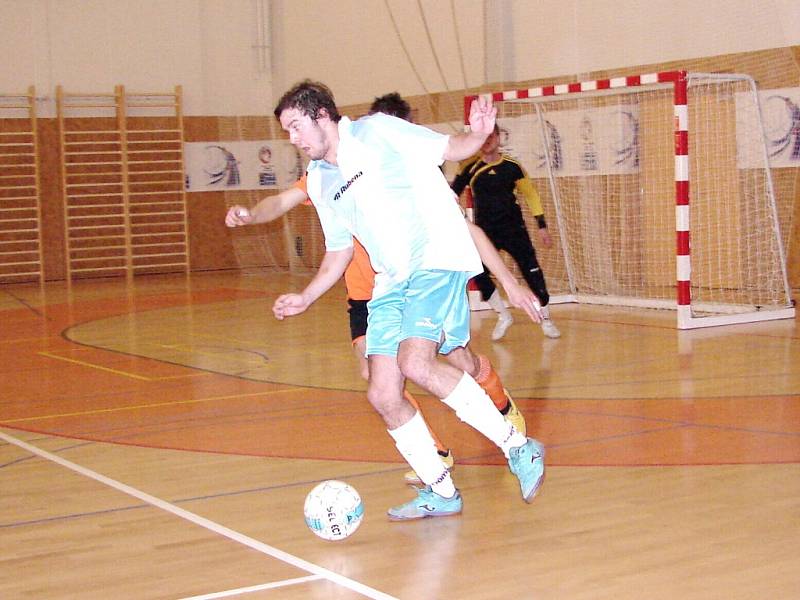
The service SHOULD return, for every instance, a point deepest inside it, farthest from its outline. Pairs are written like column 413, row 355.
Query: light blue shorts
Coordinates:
column 431, row 305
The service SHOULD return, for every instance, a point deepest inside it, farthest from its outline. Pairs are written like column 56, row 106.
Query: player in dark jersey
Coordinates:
column 495, row 179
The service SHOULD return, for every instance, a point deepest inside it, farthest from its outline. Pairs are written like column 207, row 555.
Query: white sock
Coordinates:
column 476, row 409
column 546, row 312
column 497, row 304
column 415, row 443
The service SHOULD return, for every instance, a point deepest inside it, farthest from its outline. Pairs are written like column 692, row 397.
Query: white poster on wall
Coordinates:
column 226, row 166
column 601, row 141
column 780, row 111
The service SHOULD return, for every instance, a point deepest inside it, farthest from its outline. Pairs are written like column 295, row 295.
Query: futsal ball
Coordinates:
column 333, row 510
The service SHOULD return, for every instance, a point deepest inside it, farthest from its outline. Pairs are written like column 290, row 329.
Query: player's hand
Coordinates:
column 522, row 297
column 237, row 216
column 482, row 115
column 289, row 305
column 545, row 238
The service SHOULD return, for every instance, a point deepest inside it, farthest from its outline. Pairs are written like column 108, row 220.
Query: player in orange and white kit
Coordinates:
column 359, row 281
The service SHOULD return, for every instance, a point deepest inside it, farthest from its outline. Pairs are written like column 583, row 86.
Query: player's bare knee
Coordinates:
column 412, row 365
column 378, row 399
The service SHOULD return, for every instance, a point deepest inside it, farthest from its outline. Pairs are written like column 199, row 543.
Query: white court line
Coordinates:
column 321, row 572
column 253, row 588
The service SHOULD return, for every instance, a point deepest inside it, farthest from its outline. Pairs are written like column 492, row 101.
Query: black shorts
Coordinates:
column 358, row 318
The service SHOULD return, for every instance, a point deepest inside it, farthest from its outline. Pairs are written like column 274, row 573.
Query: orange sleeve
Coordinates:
column 359, row 278
column 300, row 184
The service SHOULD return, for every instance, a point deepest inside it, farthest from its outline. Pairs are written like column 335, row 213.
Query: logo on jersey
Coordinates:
column 344, row 188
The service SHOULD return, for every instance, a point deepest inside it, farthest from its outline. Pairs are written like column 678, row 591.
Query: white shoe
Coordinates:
column 549, row 329
column 503, row 323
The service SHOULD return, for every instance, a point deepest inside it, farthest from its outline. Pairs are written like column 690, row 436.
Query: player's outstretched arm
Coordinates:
column 268, row 209
column 518, row 295
column 482, row 116
column 330, row 271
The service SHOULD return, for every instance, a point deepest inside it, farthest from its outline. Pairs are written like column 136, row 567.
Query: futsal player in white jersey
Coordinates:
column 378, row 179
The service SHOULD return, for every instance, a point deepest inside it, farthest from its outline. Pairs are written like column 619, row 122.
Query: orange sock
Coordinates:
column 439, row 445
column 489, row 380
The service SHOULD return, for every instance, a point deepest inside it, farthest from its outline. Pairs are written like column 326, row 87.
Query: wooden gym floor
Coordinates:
column 157, row 441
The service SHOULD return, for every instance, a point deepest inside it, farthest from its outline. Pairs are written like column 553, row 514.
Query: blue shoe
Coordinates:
column 527, row 463
column 427, row 504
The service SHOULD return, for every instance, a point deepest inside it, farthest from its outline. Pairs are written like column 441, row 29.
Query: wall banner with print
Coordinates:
column 226, row 166
column 780, row 111
column 595, row 141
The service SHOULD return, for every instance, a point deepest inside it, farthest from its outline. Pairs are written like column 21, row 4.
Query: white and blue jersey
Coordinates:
column 389, row 192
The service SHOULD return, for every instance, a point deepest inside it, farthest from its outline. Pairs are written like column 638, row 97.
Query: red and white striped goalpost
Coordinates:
column 683, row 246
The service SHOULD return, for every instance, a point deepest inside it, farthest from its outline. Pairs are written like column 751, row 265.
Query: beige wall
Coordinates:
column 558, row 37
column 147, row 45
column 359, row 47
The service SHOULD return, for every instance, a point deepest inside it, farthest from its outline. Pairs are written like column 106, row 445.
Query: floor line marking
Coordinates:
column 38, row 338
column 92, row 366
column 208, row 524
column 185, row 376
column 191, row 348
column 98, row 411
column 92, row 348
column 254, row 588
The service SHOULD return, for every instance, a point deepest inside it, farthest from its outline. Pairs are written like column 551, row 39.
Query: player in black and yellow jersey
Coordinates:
column 495, row 179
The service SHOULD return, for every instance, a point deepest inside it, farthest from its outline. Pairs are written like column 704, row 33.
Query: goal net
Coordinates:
column 657, row 192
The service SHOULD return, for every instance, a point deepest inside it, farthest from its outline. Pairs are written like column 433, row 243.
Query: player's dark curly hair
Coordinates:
column 391, row 104
column 309, row 97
